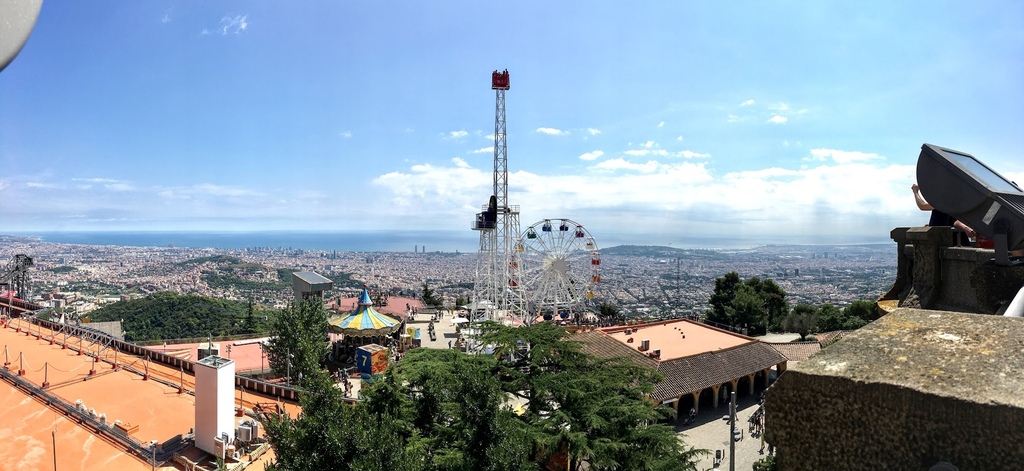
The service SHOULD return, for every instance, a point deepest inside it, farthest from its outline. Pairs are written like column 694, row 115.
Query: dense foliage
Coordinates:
column 754, row 306
column 63, row 269
column 446, row 410
column 165, row 315
column 757, row 306
column 298, row 342
column 429, row 298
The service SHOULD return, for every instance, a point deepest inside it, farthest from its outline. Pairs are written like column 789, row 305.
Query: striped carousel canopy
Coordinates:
column 365, row 321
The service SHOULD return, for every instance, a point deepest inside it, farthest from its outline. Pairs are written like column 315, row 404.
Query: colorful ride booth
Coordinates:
column 362, row 328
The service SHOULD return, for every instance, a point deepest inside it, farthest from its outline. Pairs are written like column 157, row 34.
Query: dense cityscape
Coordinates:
column 640, row 280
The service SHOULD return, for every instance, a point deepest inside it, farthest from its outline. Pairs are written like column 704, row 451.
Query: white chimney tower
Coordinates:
column 215, row 402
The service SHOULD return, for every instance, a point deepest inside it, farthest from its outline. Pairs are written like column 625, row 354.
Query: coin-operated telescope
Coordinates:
column 958, row 184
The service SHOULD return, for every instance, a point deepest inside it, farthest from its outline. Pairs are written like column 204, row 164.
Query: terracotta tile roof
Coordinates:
column 692, row 373
column 828, row 338
column 797, row 351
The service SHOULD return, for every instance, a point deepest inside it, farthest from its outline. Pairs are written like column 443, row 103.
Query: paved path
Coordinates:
column 710, row 432
column 443, row 326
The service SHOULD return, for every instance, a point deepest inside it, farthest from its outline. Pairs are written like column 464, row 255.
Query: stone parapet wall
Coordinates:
column 826, row 422
column 932, row 274
column 912, row 389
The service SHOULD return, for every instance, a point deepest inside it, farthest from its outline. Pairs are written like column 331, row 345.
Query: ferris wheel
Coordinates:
column 561, row 265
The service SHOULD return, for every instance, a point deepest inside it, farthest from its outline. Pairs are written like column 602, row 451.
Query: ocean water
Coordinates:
column 348, row 241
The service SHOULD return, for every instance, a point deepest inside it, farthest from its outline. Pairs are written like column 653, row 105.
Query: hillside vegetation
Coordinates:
column 166, row 315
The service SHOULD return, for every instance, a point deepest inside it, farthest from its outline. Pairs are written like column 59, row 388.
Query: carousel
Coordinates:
column 363, row 326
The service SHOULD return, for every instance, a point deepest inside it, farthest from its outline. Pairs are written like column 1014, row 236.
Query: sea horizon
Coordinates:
column 448, row 241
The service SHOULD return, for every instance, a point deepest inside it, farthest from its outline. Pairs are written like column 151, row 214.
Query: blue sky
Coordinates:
column 659, row 121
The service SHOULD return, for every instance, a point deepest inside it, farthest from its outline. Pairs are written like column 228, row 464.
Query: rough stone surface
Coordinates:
column 914, row 388
column 931, row 274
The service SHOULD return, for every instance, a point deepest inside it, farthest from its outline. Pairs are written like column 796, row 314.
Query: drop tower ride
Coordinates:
column 498, row 288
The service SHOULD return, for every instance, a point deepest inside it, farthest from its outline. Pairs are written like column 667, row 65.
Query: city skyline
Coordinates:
column 741, row 120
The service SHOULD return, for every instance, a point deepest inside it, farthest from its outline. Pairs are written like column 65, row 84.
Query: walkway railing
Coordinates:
column 94, row 337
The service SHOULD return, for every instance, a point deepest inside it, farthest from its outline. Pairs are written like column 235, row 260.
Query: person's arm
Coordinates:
column 921, row 203
column 965, row 229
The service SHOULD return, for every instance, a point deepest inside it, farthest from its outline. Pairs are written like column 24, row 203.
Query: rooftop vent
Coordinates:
column 645, row 344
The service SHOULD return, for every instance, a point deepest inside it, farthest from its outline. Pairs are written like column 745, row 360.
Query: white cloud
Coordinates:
column 777, row 119
column 591, row 155
column 647, row 145
column 166, row 18
column 747, row 103
column 221, row 190
column 552, row 131
column 689, row 154
column 229, row 25
column 732, row 118
column 457, row 134
column 661, row 124
column 621, row 164
column 841, row 156
column 460, row 163
column 346, row 134
column 47, row 186
column 483, row 150
column 120, row 186
column 638, row 152
column 593, row 132
column 96, row 180
column 679, row 138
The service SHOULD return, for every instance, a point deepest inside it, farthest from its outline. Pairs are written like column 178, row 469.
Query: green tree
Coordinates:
column 458, row 414
column 802, row 320
column 333, row 434
column 832, row 318
column 757, row 305
column 861, row 309
column 725, row 291
column 774, row 298
column 298, row 340
column 428, row 296
column 747, row 310
column 608, row 312
column 592, row 408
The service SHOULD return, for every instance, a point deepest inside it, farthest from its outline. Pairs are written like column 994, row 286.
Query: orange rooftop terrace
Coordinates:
column 701, row 364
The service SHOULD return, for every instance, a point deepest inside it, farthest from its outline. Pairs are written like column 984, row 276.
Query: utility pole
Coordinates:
column 732, row 432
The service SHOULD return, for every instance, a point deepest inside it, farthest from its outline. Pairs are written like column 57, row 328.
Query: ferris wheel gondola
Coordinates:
column 561, row 265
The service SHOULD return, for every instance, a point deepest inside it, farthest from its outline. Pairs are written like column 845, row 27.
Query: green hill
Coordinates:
column 166, row 315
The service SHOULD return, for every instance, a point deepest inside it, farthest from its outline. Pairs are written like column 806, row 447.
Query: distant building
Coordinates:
column 310, row 285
